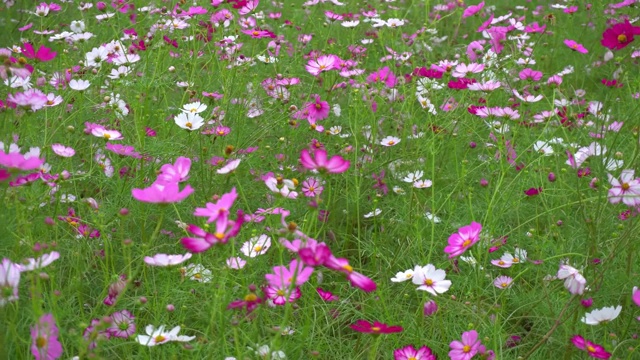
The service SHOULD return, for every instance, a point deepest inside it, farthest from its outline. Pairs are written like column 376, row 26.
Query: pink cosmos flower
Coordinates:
column 503, row 282
column 312, row 187
column 571, row 44
column 463, row 239
column 535, row 28
column 317, row 110
column 530, row 74
column 220, row 209
column 592, row 349
column 122, row 150
column 296, row 274
column 62, row 150
column 328, row 296
column 467, row 348
column 619, row 35
column 280, row 295
column 573, row 280
column 9, row 281
column 376, row 327
column 106, row 134
column 410, row 353
column 122, row 324
column 177, row 172
column 45, row 343
column 314, row 253
column 355, row 278
column 166, row 260
column 462, row 70
column 337, row 164
column 17, row 161
column 258, row 33
column 627, row 189
column 162, row 193
column 43, row 54
column 429, row 308
column 39, row 262
column 383, row 75
column 321, row 64
column 472, row 10
column 203, row 240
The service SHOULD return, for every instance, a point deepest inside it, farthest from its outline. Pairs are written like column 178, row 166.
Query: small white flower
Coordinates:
column 229, row 167
column 390, row 141
column 256, row 246
column 403, row 276
column 376, row 212
column 197, row 272
column 422, row 184
column 189, row 121
column 432, row 217
column 79, row 84
column 413, row 176
column 543, row 148
column 166, row 260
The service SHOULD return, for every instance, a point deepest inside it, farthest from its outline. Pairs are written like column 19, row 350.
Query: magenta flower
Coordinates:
column 335, row 165
column 225, row 230
column 220, row 209
column 162, row 193
column 376, row 327
column 321, row 64
column 429, row 308
column 355, row 278
column 317, row 110
column 635, row 296
column 627, row 189
column 619, row 35
column 45, row 343
column 533, row 191
column 314, row 253
column 463, row 239
column 472, row 10
column 571, row 44
column 326, row 295
column 593, row 350
column 383, row 75
column 467, row 348
column 280, row 294
column 122, row 324
column 410, row 353
column 123, row 150
column 43, row 54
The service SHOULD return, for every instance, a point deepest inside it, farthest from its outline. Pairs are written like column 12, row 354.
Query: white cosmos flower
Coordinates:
column 403, row 276
column 79, row 84
column 422, row 184
column 599, row 316
column 413, row 176
column 189, row 121
column 194, row 107
column 430, row 279
column 229, row 167
column 376, row 212
column 390, row 141
column 159, row 336
column 166, row 260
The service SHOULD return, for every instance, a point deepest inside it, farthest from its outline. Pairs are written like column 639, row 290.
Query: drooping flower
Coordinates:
column 467, row 348
column 429, row 308
column 430, row 279
column 376, row 327
column 9, row 281
column 599, row 316
column 592, row 349
column 411, row 353
column 403, row 276
column 45, row 344
column 463, row 239
column 336, row 165
column 573, row 280
column 573, row 45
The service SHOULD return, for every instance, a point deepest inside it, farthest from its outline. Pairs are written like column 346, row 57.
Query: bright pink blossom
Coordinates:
column 162, row 193
column 467, row 348
column 337, row 164
column 410, row 353
column 376, row 327
column 592, row 349
column 463, row 239
column 619, row 35
column 45, row 343
column 220, row 209
column 43, row 54
column 472, row 10
column 573, row 45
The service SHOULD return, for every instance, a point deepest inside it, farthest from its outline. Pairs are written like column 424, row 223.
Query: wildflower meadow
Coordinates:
column 320, row 179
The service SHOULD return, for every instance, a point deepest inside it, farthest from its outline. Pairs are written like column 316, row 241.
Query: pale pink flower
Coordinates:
column 626, row 189
column 166, row 260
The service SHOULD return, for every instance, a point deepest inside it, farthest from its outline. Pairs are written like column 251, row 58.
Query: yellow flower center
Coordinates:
column 219, row 236
column 41, row 342
column 348, row 268
column 189, row 125
column 255, row 33
column 391, row 142
column 106, row 136
column 280, row 292
column 257, row 248
column 625, row 186
column 501, row 262
column 250, row 298
column 375, row 329
column 504, row 284
column 466, row 243
column 466, row 349
column 159, row 339
column 622, row 38
column 590, row 349
column 197, row 276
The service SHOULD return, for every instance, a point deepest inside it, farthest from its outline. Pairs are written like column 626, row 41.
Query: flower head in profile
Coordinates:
column 320, row 163
column 463, row 239
column 220, row 209
column 635, row 295
column 376, row 327
column 162, row 193
column 604, row 315
column 45, row 343
column 9, row 281
column 166, row 260
column 592, row 349
column 573, row 45
column 411, row 353
column 156, row 336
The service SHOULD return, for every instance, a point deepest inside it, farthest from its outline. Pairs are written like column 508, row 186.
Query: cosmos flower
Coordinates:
column 45, row 345
column 410, row 353
column 376, row 327
column 156, row 336
column 465, row 237
column 599, row 316
column 430, row 279
column 619, row 35
column 592, row 349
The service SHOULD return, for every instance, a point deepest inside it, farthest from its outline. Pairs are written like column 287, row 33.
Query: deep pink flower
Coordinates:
column 162, row 193
column 43, row 54
column 571, row 44
column 317, row 110
column 259, row 33
column 314, row 253
column 123, row 150
column 280, row 295
column 593, row 350
column 383, row 75
column 410, row 353
column 337, row 164
column 635, row 296
column 465, row 237
column 17, row 161
column 467, row 348
column 328, row 296
column 619, row 35
column 535, row 28
column 533, row 191
column 472, row 10
column 355, row 278
column 376, row 327
column 45, row 343
column 203, row 240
